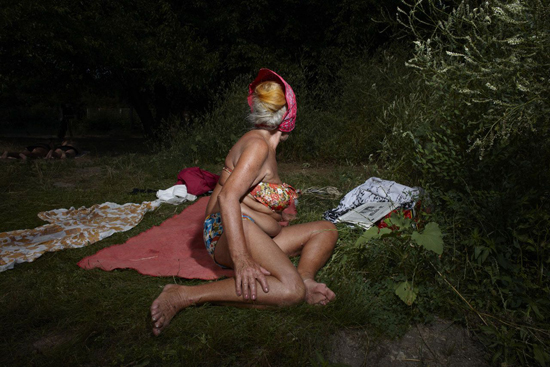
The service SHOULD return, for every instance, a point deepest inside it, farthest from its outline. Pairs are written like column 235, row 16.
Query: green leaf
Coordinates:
column 477, row 251
column 540, row 355
column 400, row 221
column 533, row 306
column 406, row 292
column 371, row 233
column 384, row 231
column 430, row 238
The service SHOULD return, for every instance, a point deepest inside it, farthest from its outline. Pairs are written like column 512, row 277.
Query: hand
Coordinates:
column 247, row 271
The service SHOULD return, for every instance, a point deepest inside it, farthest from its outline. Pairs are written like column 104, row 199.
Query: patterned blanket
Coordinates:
column 70, row 228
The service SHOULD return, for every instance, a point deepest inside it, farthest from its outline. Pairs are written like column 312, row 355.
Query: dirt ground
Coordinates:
column 441, row 343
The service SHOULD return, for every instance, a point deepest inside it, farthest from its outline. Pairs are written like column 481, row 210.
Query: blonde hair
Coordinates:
column 269, row 106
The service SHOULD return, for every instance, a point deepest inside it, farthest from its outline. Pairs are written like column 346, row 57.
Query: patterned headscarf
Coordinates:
column 289, row 119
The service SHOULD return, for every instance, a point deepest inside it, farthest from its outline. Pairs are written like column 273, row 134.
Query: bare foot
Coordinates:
column 318, row 293
column 4, row 155
column 167, row 305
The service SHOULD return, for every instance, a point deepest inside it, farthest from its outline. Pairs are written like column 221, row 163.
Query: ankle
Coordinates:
column 308, row 277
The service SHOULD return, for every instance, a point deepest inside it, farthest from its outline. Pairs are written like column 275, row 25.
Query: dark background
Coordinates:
column 165, row 60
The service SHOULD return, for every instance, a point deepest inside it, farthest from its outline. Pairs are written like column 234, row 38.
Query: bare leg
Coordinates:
column 314, row 242
column 286, row 286
column 51, row 154
column 12, row 155
column 38, row 152
column 35, row 153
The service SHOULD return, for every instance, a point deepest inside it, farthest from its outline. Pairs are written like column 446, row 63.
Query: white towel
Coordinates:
column 175, row 195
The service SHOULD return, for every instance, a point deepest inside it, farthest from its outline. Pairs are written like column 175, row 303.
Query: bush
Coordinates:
column 475, row 134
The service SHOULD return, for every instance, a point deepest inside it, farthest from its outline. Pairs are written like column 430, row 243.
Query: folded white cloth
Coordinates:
column 175, row 195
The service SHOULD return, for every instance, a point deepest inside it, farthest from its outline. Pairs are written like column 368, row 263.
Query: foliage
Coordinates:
column 340, row 122
column 399, row 251
column 477, row 141
column 432, row 119
column 138, row 48
column 213, row 133
column 169, row 59
column 493, row 58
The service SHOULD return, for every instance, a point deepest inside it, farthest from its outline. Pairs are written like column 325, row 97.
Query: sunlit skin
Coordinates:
column 258, row 252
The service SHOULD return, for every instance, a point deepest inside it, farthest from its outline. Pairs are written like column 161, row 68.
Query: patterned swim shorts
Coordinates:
column 213, row 230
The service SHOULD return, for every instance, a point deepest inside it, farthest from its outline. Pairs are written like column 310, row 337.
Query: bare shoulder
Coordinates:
column 248, row 156
column 252, row 140
column 250, row 143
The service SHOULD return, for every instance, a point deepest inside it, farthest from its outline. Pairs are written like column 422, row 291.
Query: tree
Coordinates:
column 58, row 47
column 168, row 57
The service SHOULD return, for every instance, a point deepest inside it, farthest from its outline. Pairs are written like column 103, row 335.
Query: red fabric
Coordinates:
column 198, row 181
column 289, row 119
column 290, row 213
column 175, row 248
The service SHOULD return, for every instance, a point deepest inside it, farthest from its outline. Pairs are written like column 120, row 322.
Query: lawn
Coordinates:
column 55, row 313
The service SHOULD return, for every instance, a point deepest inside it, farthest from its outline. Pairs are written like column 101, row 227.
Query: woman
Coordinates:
column 250, row 197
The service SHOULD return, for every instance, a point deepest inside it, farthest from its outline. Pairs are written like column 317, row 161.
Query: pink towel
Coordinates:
column 175, row 248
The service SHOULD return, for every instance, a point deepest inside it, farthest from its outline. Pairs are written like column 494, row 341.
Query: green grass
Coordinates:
column 54, row 313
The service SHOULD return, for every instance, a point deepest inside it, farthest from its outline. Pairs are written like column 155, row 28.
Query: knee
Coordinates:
column 327, row 230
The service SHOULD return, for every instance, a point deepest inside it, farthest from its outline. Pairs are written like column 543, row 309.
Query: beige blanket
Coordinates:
column 70, row 228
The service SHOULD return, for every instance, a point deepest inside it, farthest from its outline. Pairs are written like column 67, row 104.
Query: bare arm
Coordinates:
column 247, row 172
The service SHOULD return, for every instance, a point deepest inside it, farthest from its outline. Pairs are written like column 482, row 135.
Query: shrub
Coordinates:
column 475, row 134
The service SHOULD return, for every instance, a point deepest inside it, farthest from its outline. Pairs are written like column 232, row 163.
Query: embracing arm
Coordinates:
column 244, row 176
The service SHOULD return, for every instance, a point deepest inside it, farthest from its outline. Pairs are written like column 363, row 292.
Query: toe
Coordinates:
column 155, row 314
column 159, row 323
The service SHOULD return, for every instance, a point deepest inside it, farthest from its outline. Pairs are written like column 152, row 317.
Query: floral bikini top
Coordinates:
column 277, row 197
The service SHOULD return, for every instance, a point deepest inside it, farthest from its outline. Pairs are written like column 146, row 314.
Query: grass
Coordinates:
column 54, row 313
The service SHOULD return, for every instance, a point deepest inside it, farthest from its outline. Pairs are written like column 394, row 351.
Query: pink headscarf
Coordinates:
column 289, row 119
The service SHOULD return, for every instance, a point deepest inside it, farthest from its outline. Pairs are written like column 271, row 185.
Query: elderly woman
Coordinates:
column 241, row 229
